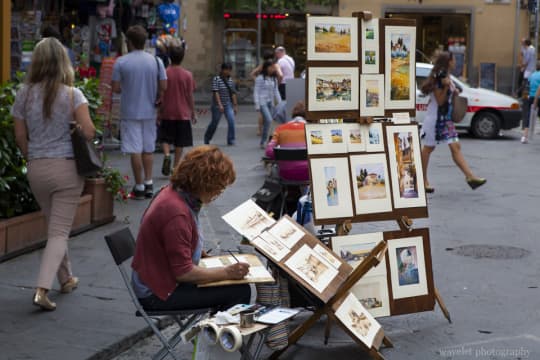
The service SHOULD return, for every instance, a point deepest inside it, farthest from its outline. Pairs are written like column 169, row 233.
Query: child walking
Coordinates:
column 177, row 111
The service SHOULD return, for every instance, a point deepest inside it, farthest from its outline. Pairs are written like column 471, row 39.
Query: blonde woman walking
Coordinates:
column 43, row 110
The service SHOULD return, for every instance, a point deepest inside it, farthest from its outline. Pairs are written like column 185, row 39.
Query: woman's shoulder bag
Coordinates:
column 86, row 156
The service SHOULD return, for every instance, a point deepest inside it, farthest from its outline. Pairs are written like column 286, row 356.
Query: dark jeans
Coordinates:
column 228, row 111
column 281, row 88
column 189, row 296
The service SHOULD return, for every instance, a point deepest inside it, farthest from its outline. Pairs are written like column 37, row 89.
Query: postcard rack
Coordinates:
column 380, row 44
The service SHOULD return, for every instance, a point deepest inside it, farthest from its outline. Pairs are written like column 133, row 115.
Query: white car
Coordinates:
column 488, row 111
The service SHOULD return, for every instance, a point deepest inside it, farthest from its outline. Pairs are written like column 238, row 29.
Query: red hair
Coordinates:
column 204, row 170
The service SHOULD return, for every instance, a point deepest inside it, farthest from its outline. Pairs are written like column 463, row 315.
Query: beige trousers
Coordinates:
column 57, row 188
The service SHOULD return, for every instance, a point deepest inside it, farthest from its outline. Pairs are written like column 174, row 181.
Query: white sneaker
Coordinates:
column 524, row 140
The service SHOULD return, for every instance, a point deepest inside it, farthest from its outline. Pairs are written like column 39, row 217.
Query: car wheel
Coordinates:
column 485, row 125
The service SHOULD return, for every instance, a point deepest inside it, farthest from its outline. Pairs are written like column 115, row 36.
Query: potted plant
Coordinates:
column 106, row 187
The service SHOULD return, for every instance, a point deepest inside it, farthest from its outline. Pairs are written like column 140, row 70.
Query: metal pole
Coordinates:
column 259, row 31
column 536, row 22
column 516, row 42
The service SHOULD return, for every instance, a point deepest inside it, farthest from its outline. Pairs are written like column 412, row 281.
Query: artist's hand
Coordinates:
column 237, row 271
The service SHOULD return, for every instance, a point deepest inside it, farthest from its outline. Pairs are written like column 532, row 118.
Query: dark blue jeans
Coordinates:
column 189, row 296
column 216, row 116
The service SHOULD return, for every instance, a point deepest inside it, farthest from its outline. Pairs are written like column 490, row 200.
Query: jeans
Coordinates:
column 266, row 112
column 189, row 296
column 216, row 116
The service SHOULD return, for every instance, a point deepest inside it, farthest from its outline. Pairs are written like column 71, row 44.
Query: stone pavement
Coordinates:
column 493, row 302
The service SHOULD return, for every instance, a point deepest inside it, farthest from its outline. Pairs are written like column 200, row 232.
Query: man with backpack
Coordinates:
column 224, row 102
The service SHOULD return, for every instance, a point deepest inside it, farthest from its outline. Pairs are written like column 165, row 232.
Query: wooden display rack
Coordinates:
column 402, row 216
column 328, row 309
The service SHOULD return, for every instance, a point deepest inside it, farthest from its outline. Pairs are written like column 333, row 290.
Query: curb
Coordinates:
column 127, row 342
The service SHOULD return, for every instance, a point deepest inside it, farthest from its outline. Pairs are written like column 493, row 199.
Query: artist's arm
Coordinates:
column 201, row 275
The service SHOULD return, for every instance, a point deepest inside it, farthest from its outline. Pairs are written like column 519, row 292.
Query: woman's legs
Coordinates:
column 426, row 153
column 457, row 156
column 267, row 120
column 189, row 296
column 57, row 188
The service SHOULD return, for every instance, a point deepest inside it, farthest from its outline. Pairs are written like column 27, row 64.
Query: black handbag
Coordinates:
column 86, row 156
column 87, row 159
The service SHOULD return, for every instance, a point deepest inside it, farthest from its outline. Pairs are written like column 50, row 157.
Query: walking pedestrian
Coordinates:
column 140, row 78
column 267, row 56
column 286, row 65
column 528, row 66
column 224, row 102
column 532, row 103
column 265, row 96
column 43, row 110
column 177, row 110
column 438, row 124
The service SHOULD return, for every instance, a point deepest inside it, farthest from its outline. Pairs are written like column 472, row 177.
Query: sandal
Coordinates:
column 429, row 189
column 475, row 182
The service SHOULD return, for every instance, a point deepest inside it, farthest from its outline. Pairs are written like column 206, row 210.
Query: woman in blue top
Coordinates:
column 265, row 95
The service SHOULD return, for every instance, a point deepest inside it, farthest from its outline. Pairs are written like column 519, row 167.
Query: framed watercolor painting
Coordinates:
column 371, row 184
column 405, row 166
column 358, row 320
column 372, row 95
column 248, row 219
column 370, row 46
column 331, row 188
column 332, row 88
column 353, row 249
column 311, row 268
column 372, row 292
column 326, row 138
column 406, row 260
column 332, row 38
column 354, row 137
column 374, row 137
column 400, row 62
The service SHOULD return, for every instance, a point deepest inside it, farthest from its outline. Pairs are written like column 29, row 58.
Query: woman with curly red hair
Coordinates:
column 170, row 243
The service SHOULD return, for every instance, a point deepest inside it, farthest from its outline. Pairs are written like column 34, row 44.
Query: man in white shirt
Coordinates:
column 286, row 63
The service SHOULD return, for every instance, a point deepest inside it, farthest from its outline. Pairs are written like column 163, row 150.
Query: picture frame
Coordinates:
column 248, row 219
column 372, row 292
column 331, row 188
column 312, row 268
column 332, row 89
column 405, row 164
column 353, row 249
column 357, row 320
column 414, row 290
column 371, row 184
column 370, row 54
column 375, row 137
column 355, row 137
column 271, row 246
column 400, row 67
column 331, row 38
column 372, row 95
column 326, row 138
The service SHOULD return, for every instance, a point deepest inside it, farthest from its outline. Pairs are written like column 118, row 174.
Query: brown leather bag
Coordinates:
column 459, row 107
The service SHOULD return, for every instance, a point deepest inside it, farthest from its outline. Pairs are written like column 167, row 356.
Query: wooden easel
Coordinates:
column 373, row 259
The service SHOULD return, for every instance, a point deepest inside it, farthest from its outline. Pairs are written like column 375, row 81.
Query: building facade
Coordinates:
column 484, row 31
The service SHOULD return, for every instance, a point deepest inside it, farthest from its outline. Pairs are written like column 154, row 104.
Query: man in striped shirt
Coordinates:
column 224, row 101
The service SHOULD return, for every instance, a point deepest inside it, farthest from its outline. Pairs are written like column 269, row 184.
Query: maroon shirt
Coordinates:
column 177, row 101
column 167, row 239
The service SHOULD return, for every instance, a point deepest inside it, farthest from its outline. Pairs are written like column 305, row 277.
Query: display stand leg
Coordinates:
column 441, row 303
column 327, row 329
column 386, row 341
